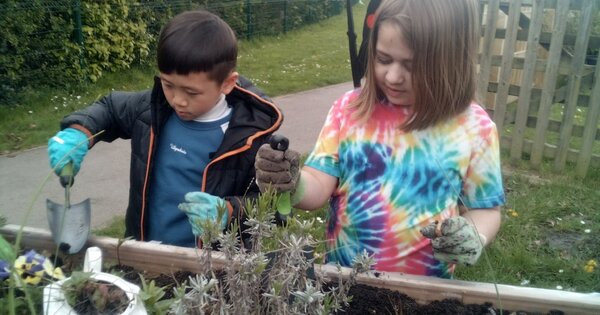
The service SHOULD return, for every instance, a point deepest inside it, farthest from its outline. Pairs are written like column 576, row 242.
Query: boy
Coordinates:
column 196, row 131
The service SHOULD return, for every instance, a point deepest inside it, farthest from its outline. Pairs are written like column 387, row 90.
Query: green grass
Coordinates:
column 115, row 228
column 314, row 56
column 551, row 235
column 36, row 118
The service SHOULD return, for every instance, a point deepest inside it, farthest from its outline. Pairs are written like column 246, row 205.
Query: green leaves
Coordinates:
column 38, row 46
column 152, row 295
column 114, row 36
column 7, row 252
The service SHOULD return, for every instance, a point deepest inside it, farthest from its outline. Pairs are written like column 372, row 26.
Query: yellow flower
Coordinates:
column 590, row 266
column 512, row 212
column 32, row 266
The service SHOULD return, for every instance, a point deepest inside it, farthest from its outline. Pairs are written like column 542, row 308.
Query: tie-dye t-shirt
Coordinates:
column 393, row 183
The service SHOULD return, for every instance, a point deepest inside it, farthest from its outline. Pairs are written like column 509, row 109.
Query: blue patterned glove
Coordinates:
column 71, row 142
column 200, row 206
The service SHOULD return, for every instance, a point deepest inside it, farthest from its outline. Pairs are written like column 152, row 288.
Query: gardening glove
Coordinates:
column 455, row 240
column 279, row 169
column 200, row 207
column 71, row 143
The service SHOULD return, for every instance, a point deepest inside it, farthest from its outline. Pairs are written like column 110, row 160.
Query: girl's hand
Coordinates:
column 280, row 169
column 455, row 240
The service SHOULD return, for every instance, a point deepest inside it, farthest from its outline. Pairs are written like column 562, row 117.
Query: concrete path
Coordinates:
column 26, row 180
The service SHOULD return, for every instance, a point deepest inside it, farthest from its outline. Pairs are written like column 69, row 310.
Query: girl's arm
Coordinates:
column 317, row 188
column 486, row 221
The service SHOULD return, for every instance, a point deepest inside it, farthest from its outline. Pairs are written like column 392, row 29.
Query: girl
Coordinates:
column 409, row 149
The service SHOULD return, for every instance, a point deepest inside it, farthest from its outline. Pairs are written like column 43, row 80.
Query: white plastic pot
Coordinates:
column 55, row 302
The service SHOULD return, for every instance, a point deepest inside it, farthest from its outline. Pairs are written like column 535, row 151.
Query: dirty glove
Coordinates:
column 279, row 169
column 71, row 143
column 200, row 206
column 455, row 240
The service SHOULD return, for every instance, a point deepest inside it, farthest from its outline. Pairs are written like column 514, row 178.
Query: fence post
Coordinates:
column 79, row 31
column 248, row 19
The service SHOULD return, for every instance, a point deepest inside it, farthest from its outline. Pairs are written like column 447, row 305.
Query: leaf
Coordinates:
column 7, row 252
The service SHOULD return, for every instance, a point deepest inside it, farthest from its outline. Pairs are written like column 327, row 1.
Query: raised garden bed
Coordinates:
column 166, row 259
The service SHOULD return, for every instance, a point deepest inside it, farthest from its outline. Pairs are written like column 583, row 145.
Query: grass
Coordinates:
column 550, row 232
column 551, row 223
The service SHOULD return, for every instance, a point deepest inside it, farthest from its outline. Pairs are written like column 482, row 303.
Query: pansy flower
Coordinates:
column 31, row 267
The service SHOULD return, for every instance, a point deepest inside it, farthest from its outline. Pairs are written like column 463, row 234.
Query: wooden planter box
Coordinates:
column 159, row 258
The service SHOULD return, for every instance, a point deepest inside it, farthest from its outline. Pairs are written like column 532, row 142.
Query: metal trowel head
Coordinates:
column 70, row 225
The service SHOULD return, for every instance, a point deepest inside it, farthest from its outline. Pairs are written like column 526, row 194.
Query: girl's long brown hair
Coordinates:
column 444, row 36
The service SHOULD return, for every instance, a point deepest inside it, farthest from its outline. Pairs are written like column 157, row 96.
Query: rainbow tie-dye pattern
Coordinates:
column 392, row 183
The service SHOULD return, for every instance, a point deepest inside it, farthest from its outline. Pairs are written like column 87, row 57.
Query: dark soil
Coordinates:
column 371, row 300
column 365, row 299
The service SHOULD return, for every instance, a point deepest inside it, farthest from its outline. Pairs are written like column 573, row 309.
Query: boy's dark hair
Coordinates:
column 197, row 41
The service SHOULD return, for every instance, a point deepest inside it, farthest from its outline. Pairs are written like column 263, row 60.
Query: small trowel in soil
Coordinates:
column 69, row 224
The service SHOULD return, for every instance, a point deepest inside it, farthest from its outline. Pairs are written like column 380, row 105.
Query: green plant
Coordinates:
column 21, row 62
column 266, row 277
column 152, row 296
column 120, row 242
column 115, row 38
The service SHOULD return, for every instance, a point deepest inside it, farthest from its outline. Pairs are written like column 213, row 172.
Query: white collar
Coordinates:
column 220, row 110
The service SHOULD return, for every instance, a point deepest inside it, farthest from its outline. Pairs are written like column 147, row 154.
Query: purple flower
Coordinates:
column 4, row 270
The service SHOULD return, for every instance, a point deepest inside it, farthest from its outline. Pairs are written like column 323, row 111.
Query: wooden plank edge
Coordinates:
column 146, row 256
column 167, row 259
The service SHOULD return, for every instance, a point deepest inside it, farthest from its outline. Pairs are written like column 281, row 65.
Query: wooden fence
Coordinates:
column 540, row 81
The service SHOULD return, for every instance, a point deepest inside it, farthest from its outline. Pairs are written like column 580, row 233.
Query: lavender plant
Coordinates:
column 274, row 276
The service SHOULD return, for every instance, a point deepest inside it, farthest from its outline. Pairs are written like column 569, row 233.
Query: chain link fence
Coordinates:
column 63, row 42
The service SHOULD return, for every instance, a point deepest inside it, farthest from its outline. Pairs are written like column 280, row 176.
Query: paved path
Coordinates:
column 26, row 180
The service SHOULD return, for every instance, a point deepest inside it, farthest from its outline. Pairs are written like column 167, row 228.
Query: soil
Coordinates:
column 365, row 299
column 99, row 297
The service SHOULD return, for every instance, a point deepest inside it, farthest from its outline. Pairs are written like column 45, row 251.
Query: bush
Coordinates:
column 41, row 43
column 115, row 37
column 36, row 46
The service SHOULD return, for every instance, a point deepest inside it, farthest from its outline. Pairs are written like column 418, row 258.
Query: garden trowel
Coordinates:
column 69, row 224
column 284, row 206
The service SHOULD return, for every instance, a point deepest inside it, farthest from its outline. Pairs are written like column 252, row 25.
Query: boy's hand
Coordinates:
column 455, row 241
column 200, row 206
column 280, row 169
column 69, row 142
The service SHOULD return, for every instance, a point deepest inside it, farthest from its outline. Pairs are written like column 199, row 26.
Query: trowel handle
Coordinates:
column 66, row 175
column 279, row 142
column 284, row 205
